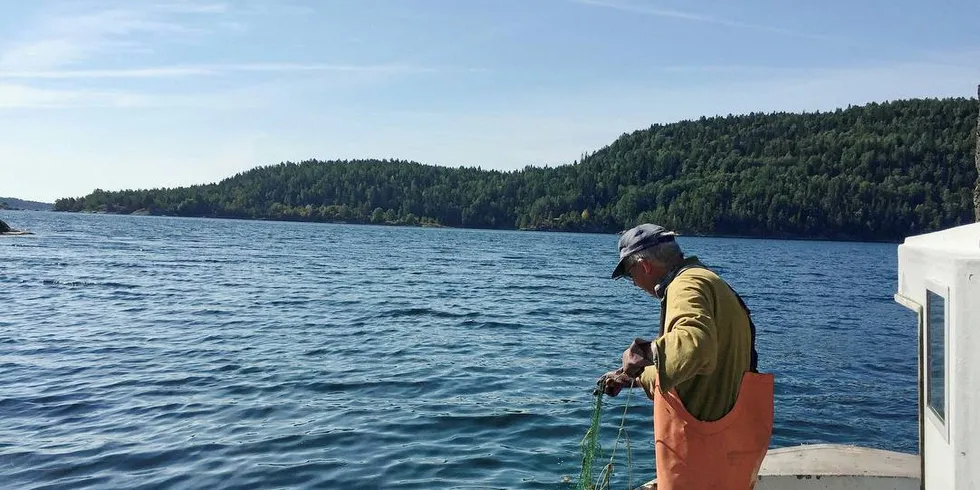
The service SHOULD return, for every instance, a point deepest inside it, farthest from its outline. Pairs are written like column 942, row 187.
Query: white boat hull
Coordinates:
column 835, row 467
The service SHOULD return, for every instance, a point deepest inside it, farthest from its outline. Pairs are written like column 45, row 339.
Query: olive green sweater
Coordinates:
column 706, row 343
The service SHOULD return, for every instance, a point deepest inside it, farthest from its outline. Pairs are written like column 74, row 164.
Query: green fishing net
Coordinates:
column 591, row 447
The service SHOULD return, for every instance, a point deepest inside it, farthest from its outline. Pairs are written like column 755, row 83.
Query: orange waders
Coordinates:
column 724, row 454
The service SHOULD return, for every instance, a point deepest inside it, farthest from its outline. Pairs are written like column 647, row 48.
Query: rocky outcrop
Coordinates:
column 5, row 229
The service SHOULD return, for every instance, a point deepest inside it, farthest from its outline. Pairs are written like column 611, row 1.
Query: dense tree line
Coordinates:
column 976, row 192
column 876, row 172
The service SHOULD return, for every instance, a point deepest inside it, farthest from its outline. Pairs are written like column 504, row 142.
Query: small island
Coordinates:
column 5, row 229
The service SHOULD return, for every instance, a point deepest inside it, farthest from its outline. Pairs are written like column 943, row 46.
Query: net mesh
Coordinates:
column 591, row 448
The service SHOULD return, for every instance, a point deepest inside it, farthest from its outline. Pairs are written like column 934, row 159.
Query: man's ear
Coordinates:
column 647, row 267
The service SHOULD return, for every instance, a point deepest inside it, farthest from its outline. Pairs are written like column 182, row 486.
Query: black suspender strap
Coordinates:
column 754, row 364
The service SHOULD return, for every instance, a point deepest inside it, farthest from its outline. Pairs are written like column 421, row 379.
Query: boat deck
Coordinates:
column 833, row 467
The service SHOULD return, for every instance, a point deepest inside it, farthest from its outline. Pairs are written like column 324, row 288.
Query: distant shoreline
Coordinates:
column 16, row 204
column 680, row 233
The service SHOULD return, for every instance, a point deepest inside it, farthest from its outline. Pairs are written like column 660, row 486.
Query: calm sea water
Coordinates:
column 195, row 353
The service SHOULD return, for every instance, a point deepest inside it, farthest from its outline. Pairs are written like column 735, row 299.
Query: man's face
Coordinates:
column 646, row 274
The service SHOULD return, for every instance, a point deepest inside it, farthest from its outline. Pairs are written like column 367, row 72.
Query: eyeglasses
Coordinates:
column 629, row 270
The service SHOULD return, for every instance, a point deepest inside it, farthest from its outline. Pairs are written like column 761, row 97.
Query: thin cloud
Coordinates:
column 24, row 97
column 717, row 68
column 15, row 96
column 67, row 40
column 283, row 67
column 192, row 8
column 695, row 17
column 266, row 8
column 158, row 72
column 45, row 53
column 179, row 71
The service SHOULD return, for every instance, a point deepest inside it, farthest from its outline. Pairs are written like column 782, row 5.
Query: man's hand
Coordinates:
column 613, row 382
column 636, row 357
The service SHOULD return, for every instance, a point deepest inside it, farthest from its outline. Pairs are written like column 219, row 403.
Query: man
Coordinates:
column 713, row 411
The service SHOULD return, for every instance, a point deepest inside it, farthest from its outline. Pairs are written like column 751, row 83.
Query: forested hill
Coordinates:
column 876, row 172
column 14, row 203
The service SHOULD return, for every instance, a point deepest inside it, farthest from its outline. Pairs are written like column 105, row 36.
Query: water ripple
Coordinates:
column 194, row 353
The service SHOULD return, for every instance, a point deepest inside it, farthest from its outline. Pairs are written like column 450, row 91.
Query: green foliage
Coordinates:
column 875, row 172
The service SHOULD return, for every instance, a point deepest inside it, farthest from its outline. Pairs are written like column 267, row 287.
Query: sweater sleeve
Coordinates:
column 689, row 345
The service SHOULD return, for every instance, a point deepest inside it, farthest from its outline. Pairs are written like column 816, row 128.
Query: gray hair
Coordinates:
column 668, row 254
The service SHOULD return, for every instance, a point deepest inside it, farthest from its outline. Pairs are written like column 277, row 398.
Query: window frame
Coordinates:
column 940, row 422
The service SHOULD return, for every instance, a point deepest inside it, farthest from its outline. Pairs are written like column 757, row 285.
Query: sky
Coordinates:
column 160, row 93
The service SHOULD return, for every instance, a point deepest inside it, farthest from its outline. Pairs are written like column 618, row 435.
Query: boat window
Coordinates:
column 936, row 353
